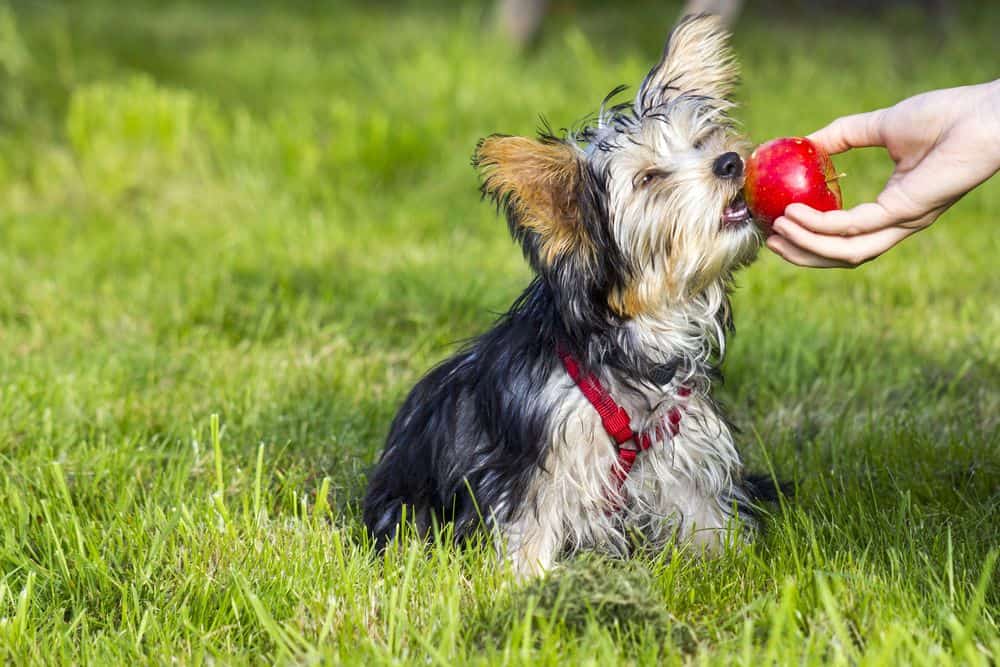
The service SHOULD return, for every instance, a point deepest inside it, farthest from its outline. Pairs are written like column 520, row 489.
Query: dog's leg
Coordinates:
column 532, row 543
column 678, row 512
column 569, row 506
column 690, row 489
column 709, row 522
column 731, row 516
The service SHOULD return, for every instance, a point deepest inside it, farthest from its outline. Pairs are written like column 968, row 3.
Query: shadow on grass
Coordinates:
column 894, row 480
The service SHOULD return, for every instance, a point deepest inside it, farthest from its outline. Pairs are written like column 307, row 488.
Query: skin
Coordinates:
column 944, row 144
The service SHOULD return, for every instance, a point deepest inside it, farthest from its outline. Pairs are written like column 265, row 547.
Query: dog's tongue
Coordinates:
column 736, row 213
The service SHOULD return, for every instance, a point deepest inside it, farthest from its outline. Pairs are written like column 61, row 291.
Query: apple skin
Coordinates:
column 789, row 170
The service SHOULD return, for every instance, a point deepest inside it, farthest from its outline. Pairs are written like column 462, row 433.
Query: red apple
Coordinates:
column 790, row 169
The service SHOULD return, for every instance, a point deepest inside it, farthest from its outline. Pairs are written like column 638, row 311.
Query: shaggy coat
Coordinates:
column 633, row 228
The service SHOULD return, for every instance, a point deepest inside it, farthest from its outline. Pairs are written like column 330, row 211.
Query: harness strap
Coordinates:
column 616, row 419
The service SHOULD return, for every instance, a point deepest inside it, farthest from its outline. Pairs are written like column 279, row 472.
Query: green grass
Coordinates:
column 232, row 238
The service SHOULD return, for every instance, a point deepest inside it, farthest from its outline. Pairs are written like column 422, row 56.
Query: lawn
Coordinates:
column 232, row 237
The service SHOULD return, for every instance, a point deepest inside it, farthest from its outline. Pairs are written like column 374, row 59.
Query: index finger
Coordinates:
column 856, row 131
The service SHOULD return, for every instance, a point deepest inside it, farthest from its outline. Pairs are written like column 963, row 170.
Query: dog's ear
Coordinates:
column 696, row 60
column 538, row 182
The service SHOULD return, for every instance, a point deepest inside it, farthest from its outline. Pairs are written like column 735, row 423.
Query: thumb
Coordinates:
column 857, row 131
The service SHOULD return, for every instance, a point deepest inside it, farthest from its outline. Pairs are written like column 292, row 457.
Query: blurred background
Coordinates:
column 267, row 210
column 196, row 195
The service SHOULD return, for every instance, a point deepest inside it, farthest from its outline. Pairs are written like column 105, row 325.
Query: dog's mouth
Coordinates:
column 736, row 214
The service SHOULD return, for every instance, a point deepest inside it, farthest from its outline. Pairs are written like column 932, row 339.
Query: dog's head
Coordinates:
column 644, row 209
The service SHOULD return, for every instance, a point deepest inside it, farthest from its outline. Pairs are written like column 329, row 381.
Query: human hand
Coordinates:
column 944, row 144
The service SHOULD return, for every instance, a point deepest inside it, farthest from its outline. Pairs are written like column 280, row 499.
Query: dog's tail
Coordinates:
column 757, row 492
column 764, row 489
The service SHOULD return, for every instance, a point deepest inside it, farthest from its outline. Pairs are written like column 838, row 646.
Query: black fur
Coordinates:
column 758, row 491
column 578, row 282
column 468, row 437
column 472, row 433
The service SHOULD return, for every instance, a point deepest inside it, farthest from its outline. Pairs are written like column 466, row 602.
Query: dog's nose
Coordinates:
column 728, row 165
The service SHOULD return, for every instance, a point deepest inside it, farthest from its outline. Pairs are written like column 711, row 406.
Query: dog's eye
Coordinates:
column 644, row 178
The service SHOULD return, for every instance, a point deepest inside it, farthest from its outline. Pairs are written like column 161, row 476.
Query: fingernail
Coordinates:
column 779, row 225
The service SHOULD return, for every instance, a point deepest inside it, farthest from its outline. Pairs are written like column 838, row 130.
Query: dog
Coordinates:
column 584, row 419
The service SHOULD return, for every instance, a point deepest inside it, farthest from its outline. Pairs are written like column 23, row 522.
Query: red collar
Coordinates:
column 616, row 419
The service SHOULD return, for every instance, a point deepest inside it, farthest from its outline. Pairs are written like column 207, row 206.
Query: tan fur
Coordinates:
column 627, row 302
column 542, row 178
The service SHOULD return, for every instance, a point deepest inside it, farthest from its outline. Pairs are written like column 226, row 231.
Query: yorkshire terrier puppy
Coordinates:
column 583, row 418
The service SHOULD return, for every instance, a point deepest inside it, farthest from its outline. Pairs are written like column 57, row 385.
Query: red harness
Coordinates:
column 616, row 420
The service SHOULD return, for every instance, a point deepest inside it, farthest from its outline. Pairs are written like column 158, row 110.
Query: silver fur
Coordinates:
column 684, row 487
